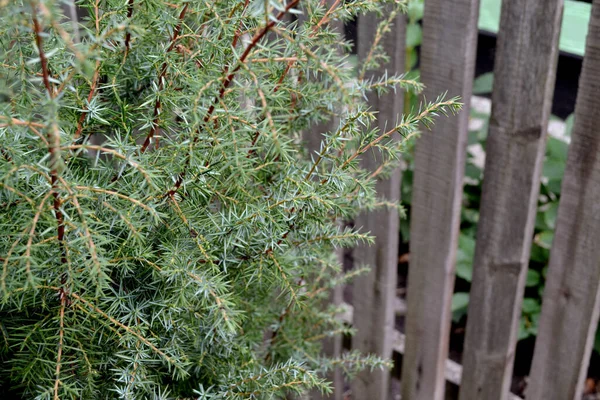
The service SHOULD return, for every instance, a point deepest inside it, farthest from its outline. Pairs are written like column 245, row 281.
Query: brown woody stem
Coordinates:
column 227, row 81
column 315, row 29
column 37, row 30
column 129, row 15
column 161, row 83
column 53, row 135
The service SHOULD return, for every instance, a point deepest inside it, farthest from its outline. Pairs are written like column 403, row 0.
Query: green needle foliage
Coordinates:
column 165, row 234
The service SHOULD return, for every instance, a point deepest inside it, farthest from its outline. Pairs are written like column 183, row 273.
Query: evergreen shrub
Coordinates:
column 164, row 231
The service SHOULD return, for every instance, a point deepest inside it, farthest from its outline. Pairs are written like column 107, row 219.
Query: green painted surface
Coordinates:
column 574, row 25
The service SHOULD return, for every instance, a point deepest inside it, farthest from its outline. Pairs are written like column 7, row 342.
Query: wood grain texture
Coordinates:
column 570, row 304
column 447, row 64
column 524, row 75
column 374, row 293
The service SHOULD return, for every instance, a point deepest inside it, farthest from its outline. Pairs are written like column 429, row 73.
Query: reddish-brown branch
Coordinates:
column 61, row 335
column 177, row 30
column 282, row 77
column 94, row 84
column 59, row 220
column 54, row 150
column 325, row 18
column 236, row 36
column 155, row 121
column 255, row 39
column 53, row 136
column 89, row 99
column 128, row 34
column 161, row 83
column 294, row 95
column 254, row 140
column 37, row 30
column 315, row 29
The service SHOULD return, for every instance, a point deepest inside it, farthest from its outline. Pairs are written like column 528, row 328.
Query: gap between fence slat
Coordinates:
column 570, row 303
column 447, row 64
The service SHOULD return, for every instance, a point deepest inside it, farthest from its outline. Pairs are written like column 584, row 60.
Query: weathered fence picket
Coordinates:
column 374, row 292
column 524, row 75
column 73, row 14
column 571, row 298
column 313, row 138
column 447, row 64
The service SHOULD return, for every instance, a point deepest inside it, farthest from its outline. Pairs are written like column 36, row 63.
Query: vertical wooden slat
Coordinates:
column 447, row 64
column 74, row 14
column 313, row 138
column 373, row 294
column 570, row 304
column 524, row 73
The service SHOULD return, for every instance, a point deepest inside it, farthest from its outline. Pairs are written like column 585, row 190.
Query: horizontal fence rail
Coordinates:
column 453, row 371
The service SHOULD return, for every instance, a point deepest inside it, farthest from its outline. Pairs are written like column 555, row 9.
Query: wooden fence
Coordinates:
column 526, row 58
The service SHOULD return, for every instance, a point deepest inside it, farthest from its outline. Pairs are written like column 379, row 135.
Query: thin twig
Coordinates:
column 322, row 21
column 426, row 112
column 276, row 59
column 87, row 234
column 31, row 234
column 117, row 194
column 6, row 261
column 227, row 81
column 378, row 36
column 61, row 335
column 255, row 39
column 62, row 32
column 236, row 36
column 114, row 153
column 37, row 30
column 126, row 328
column 161, row 83
column 81, row 120
column 89, row 99
column 128, row 34
column 326, row 18
column 323, row 152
